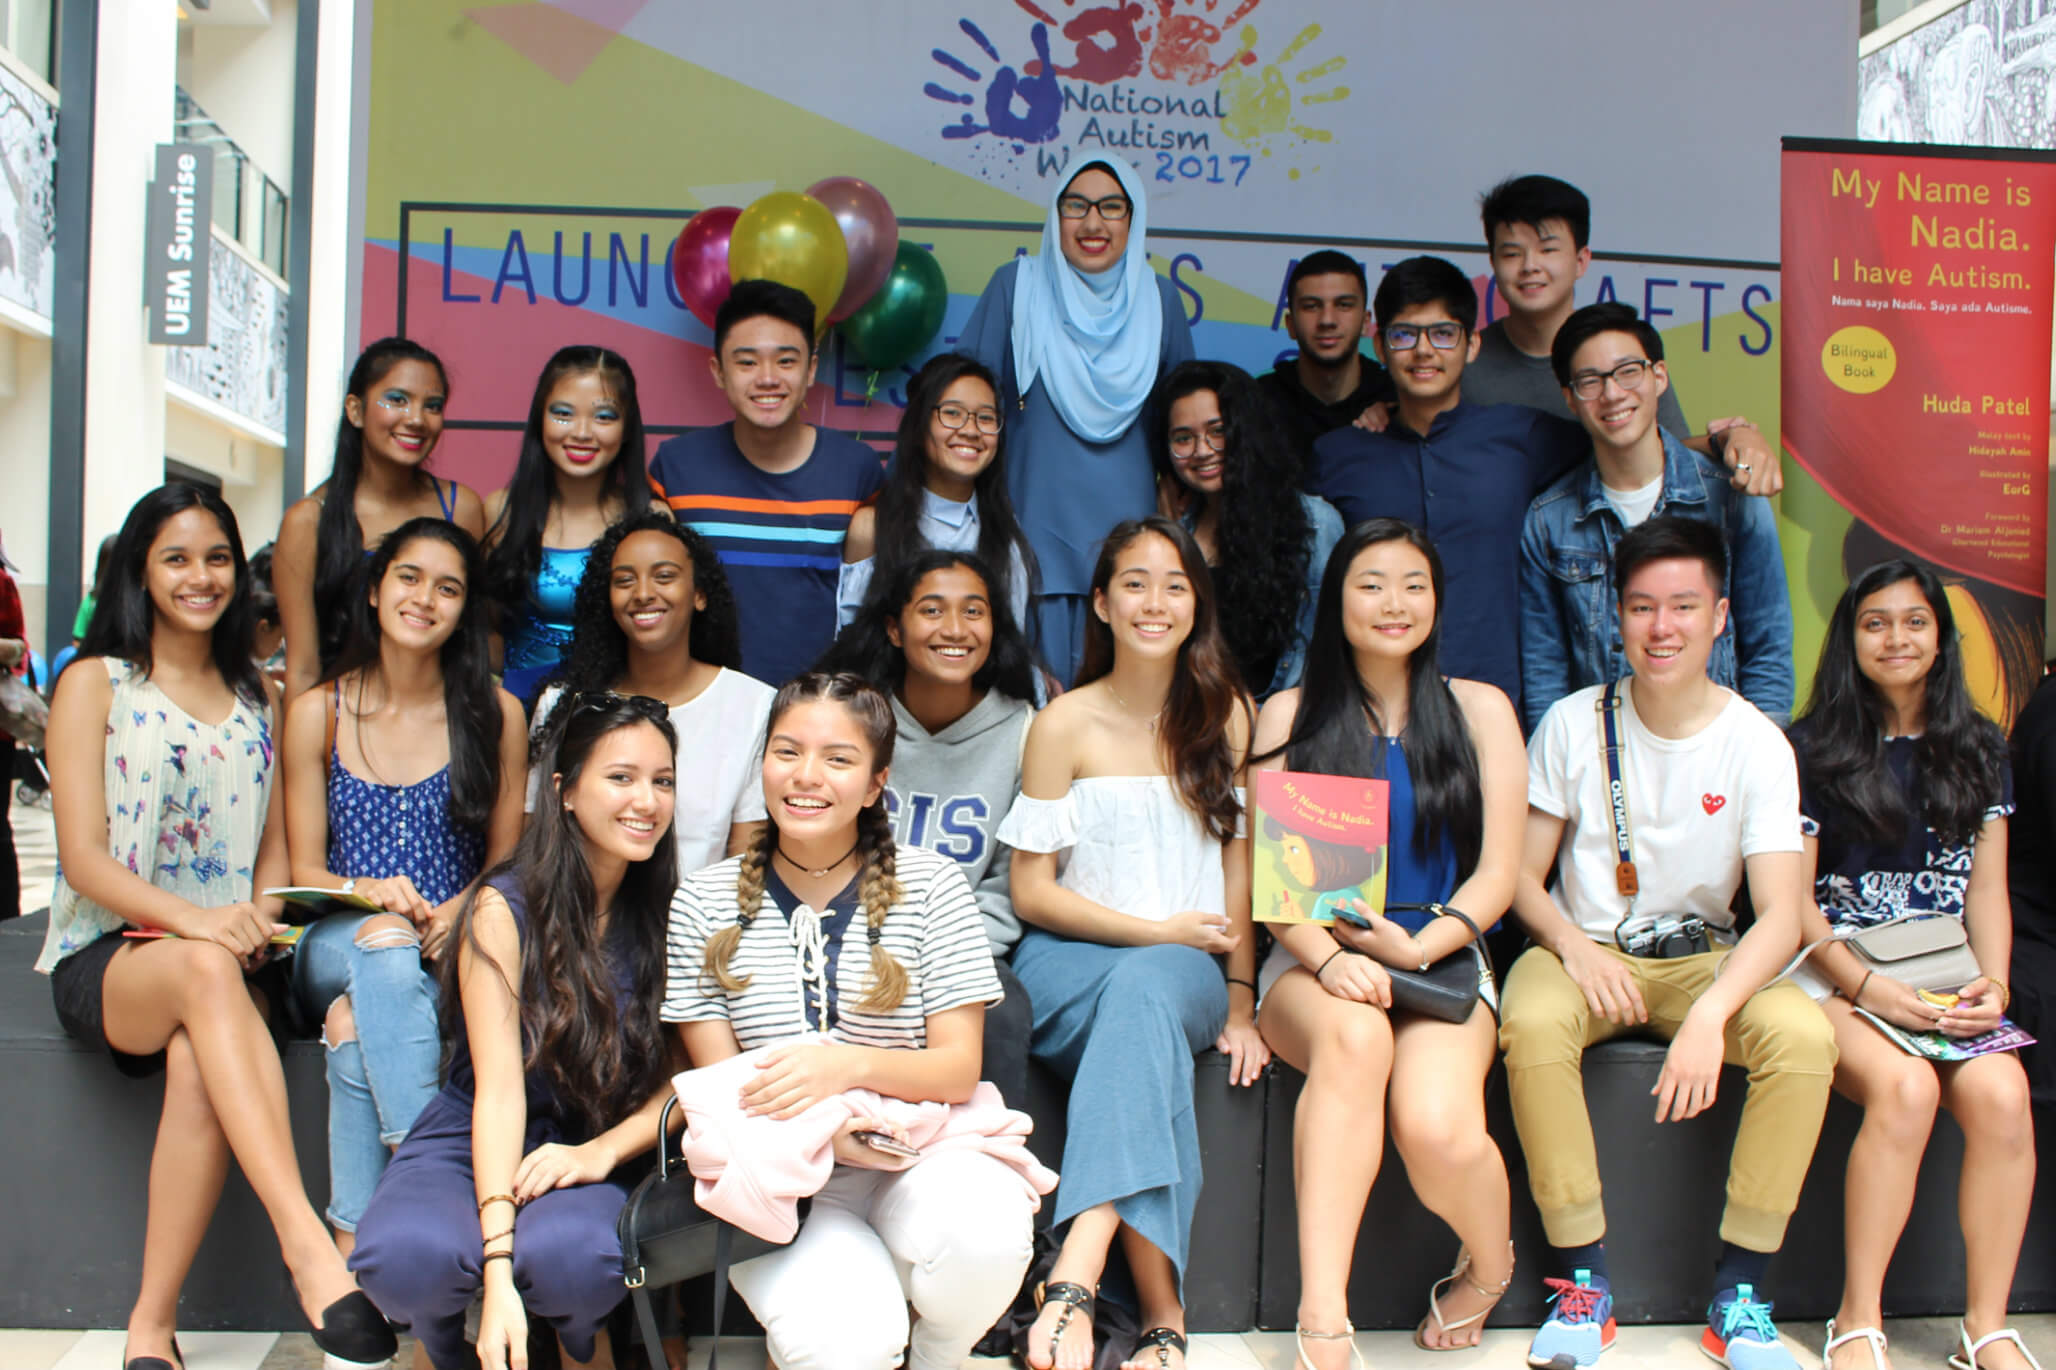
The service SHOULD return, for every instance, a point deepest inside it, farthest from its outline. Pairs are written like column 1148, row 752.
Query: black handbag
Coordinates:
column 1449, row 988
column 666, row 1237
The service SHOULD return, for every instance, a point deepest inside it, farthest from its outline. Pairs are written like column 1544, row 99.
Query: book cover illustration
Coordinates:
column 1317, row 842
column 1936, row 1046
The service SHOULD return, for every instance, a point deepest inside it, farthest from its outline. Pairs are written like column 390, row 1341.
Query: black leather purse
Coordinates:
column 666, row 1237
column 1449, row 988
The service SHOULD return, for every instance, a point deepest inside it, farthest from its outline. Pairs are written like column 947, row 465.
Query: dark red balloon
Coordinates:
column 699, row 261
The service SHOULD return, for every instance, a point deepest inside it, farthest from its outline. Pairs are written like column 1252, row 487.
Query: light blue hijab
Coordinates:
column 1094, row 340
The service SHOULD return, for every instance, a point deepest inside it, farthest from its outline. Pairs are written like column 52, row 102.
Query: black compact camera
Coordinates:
column 1667, row 938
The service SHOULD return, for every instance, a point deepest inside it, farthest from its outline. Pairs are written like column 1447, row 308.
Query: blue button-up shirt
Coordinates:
column 1570, row 617
column 1467, row 483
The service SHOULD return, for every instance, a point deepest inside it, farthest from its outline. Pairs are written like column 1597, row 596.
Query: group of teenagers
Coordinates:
column 909, row 773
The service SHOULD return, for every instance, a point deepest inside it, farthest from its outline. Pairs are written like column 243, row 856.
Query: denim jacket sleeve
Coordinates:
column 1545, row 655
column 1760, row 607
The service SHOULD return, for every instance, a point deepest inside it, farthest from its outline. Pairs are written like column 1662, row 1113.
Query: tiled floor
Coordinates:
column 35, row 848
column 1917, row 1343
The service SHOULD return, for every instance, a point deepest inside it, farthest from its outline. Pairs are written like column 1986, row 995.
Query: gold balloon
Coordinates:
column 791, row 238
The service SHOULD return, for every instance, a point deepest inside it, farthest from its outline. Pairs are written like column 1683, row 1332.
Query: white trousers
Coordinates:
column 952, row 1236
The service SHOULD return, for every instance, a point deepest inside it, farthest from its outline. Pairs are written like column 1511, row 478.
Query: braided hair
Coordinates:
column 878, row 884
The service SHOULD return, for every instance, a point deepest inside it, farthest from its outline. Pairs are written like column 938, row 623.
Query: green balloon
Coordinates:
column 902, row 318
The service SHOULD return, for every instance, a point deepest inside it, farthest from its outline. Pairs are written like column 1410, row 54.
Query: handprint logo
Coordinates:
column 1041, row 102
column 1184, row 47
column 1109, row 44
column 1259, row 104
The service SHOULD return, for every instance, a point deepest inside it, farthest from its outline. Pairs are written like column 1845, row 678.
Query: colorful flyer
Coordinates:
column 1319, row 842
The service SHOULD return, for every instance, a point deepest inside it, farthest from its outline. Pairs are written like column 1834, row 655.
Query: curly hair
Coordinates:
column 1260, row 562
column 598, row 655
column 866, row 648
column 878, row 887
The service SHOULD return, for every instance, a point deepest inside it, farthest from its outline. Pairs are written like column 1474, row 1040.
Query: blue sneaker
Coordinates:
column 1740, row 1335
column 1579, row 1327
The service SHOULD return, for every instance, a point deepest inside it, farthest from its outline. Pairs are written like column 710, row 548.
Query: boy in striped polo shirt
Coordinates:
column 772, row 492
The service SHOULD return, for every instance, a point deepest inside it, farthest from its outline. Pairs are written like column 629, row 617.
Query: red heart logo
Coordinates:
column 1712, row 803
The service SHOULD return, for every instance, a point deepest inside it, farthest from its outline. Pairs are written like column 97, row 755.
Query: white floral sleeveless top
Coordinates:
column 185, row 805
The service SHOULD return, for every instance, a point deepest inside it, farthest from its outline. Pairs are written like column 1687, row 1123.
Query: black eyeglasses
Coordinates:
column 954, row 416
column 1401, row 337
column 1628, row 375
column 1112, row 208
column 602, row 701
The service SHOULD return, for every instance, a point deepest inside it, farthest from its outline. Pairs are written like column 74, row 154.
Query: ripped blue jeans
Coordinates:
column 378, row 1082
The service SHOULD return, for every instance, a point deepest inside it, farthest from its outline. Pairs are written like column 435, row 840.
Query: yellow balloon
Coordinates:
column 791, row 238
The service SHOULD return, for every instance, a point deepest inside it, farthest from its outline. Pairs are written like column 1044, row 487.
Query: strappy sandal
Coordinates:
column 1968, row 1359
column 1164, row 1340
column 1348, row 1334
column 1869, row 1334
column 1075, row 1298
column 1461, row 1271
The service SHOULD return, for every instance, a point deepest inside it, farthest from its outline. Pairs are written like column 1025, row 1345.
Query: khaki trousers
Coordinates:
column 1780, row 1036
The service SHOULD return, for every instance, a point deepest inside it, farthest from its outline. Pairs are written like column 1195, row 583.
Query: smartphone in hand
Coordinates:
column 887, row 1143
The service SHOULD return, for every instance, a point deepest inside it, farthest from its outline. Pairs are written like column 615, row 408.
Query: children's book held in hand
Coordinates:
column 1937, row 1046
column 284, row 937
column 1319, row 843
column 316, row 901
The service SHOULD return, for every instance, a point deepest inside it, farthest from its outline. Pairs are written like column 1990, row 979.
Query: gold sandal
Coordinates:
column 1348, row 1333
column 1461, row 1271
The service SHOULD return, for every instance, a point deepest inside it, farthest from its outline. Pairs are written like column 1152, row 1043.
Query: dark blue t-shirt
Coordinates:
column 779, row 536
column 1467, row 483
column 1863, row 883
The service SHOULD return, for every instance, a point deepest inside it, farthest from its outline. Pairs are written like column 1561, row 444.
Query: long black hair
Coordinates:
column 1329, row 735
column 865, row 648
column 470, row 702
column 1206, row 693
column 600, row 1064
column 517, row 534
column 124, row 615
column 1260, row 569
column 338, row 536
column 1840, row 738
column 1000, row 540
column 598, row 655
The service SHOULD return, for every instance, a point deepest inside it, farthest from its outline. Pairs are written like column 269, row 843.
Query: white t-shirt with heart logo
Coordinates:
column 1697, row 806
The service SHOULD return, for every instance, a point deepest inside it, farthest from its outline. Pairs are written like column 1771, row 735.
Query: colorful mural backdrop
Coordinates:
column 532, row 163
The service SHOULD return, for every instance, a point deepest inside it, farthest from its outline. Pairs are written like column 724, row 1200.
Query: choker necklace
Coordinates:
column 1153, row 720
column 818, row 874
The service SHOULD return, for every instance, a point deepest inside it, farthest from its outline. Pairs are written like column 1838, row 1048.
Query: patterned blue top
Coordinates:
column 376, row 831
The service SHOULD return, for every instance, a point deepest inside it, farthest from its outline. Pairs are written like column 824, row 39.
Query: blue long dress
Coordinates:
column 1067, row 491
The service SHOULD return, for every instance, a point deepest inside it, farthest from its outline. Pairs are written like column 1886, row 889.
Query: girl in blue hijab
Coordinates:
column 1079, row 335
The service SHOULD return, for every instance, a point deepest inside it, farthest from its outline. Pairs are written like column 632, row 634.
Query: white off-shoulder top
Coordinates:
column 1124, row 841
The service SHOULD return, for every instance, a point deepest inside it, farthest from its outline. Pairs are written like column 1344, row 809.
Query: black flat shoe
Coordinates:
column 177, row 1362
column 354, row 1333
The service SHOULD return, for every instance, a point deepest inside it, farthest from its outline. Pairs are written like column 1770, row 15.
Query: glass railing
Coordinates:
column 249, row 206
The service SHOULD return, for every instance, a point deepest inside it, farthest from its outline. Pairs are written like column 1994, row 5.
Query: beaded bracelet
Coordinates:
column 492, row 1256
column 492, row 1237
column 498, row 1199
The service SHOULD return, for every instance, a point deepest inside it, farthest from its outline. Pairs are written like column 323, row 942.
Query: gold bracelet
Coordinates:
column 2005, row 992
column 497, row 1199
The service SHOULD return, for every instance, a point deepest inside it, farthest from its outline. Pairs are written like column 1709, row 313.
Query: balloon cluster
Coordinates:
column 838, row 244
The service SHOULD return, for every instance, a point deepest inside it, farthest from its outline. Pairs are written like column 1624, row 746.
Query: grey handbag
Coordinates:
column 1928, row 951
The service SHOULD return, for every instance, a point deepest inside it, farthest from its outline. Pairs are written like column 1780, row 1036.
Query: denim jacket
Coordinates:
column 1570, row 620
column 1324, row 530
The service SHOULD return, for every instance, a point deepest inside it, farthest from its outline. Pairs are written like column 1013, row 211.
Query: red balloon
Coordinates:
column 871, row 230
column 699, row 261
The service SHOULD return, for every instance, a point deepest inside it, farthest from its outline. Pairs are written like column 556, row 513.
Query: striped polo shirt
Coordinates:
column 935, row 932
column 779, row 536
